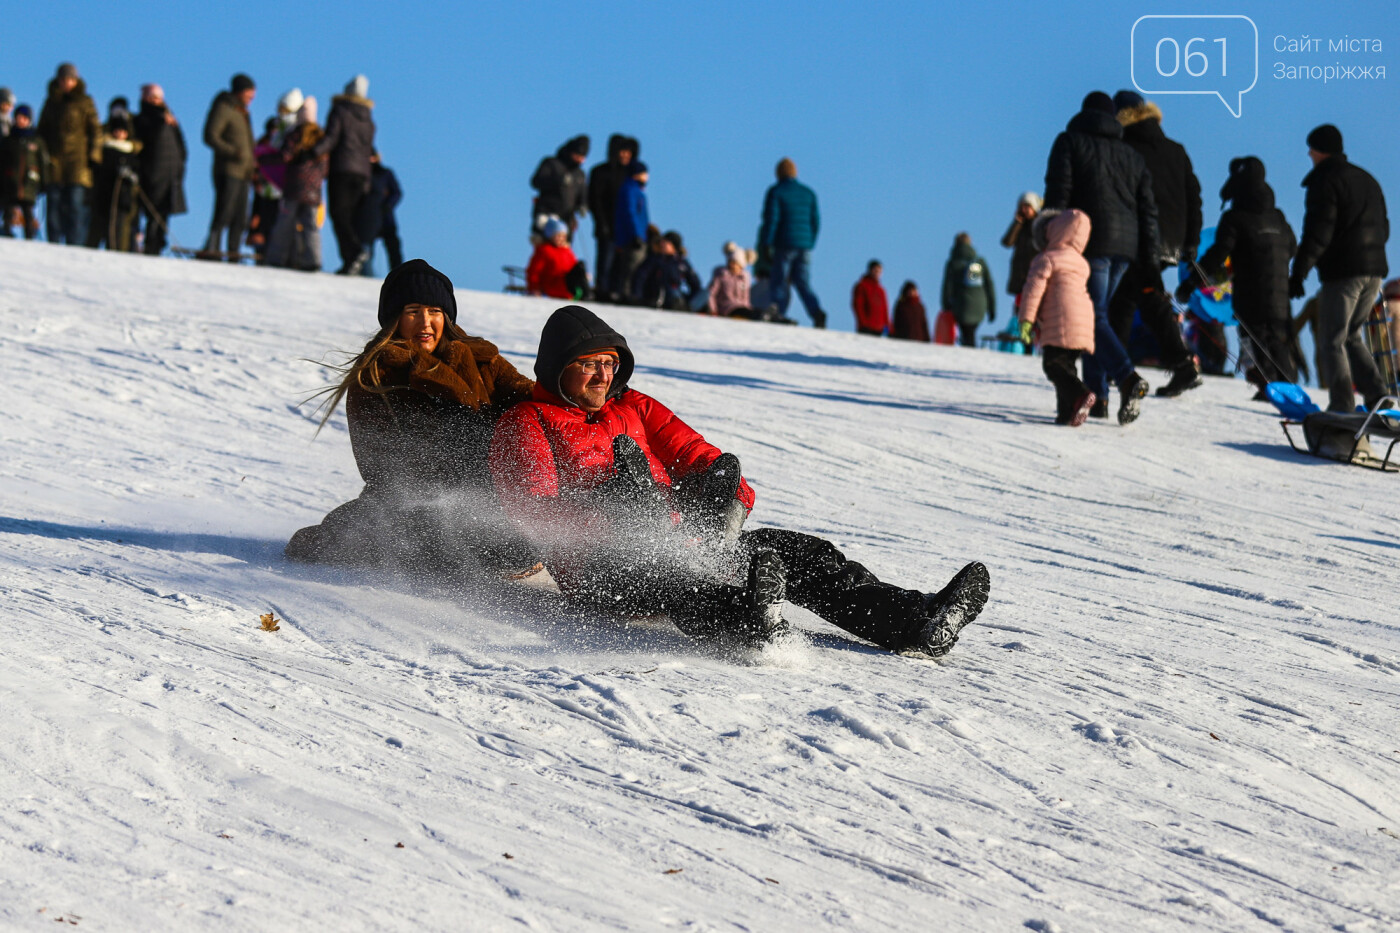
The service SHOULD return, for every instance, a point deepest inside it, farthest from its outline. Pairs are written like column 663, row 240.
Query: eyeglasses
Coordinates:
column 593, row 367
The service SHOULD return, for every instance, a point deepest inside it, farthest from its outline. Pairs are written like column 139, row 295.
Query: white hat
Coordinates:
column 1031, row 198
column 358, row 86
column 291, row 101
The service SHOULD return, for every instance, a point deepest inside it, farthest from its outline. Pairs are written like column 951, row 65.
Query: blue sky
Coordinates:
column 912, row 121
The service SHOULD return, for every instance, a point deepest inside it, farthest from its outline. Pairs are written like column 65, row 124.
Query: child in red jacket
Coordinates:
column 554, row 270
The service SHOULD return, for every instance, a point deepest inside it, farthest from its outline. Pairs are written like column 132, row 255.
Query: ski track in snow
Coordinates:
column 1176, row 712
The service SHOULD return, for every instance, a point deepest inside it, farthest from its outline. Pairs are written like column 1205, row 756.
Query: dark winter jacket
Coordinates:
column 1258, row 241
column 630, row 218
column 1018, row 238
column 870, row 305
column 562, row 186
column 790, row 216
column 69, row 127
column 603, row 183
column 306, row 167
column 1091, row 168
column 1175, row 188
column 229, row 132
column 163, row 157
column 24, row 167
column 116, row 178
column 967, row 286
column 430, row 421
column 349, row 138
column 1345, row 228
column 910, row 320
column 663, row 281
column 376, row 211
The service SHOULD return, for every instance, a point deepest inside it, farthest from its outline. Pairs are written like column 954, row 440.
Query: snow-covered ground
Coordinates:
column 1177, row 712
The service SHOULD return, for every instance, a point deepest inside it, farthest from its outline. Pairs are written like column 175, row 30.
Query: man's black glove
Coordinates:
column 631, row 497
column 709, row 500
column 1295, row 286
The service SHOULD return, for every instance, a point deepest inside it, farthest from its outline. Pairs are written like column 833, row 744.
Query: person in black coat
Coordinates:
column 603, row 183
column 1092, row 169
column 1255, row 236
column 162, row 167
column 1177, row 193
column 1345, row 231
column 376, row 219
column 562, row 186
column 350, row 141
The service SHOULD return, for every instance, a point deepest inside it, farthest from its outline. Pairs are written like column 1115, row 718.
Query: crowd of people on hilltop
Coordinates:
column 1122, row 205
column 117, row 183
column 636, row 263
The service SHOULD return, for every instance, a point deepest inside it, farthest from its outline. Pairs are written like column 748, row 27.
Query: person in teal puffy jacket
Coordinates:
column 787, row 237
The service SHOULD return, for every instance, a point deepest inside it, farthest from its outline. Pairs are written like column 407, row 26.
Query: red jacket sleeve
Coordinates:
column 679, row 447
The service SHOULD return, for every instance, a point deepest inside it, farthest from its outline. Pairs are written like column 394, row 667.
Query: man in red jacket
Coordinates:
column 869, row 302
column 636, row 512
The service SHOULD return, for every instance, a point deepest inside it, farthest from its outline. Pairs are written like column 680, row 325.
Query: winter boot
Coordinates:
column 1099, row 409
column 1184, row 377
column 1132, row 391
column 761, row 617
column 1080, row 412
column 946, row 612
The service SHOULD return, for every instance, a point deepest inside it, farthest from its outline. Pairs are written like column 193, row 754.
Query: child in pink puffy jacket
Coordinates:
column 1057, row 292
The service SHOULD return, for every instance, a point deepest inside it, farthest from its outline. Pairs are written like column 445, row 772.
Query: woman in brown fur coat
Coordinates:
column 422, row 400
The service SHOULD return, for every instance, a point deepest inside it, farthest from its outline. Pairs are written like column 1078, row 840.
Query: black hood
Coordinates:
column 1095, row 123
column 571, row 332
column 1246, row 188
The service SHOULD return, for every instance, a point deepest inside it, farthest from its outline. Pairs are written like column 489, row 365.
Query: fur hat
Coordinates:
column 291, row 101
column 241, row 83
column 1326, row 139
column 415, row 282
column 358, row 86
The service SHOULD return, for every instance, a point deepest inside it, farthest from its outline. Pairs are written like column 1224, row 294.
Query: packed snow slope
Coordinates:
column 1177, row 712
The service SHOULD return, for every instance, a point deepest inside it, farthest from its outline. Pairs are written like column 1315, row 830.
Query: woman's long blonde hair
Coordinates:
column 363, row 371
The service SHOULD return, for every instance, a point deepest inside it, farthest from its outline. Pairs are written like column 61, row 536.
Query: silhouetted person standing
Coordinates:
column 228, row 131
column 1345, row 230
column 789, row 231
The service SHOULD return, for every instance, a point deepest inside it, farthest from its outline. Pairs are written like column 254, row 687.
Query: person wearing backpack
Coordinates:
column 967, row 289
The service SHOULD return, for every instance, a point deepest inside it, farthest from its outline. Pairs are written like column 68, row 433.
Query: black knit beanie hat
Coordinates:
column 1326, row 139
column 1098, row 100
column 241, row 83
column 1126, row 100
column 415, row 282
